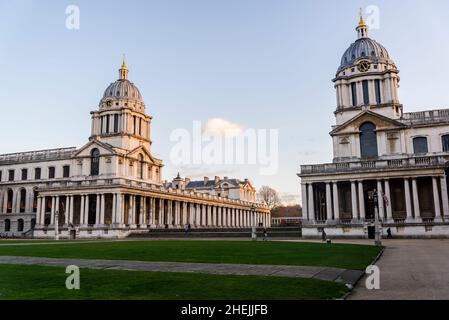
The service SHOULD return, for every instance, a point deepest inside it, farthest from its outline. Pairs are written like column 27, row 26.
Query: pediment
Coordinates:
column 85, row 151
column 143, row 151
column 381, row 122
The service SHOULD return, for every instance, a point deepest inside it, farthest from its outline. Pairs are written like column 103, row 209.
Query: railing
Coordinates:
column 426, row 116
column 376, row 164
column 52, row 154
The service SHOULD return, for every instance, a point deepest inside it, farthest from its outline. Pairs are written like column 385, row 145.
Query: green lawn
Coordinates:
column 245, row 252
column 40, row 283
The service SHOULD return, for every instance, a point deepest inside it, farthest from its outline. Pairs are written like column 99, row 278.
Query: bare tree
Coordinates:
column 269, row 197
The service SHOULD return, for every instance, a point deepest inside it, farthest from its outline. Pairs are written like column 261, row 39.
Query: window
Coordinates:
column 101, row 123
column 140, row 126
column 66, row 171
column 354, row 94
column 9, row 201
column 20, row 225
column 134, row 124
column 365, row 92
column 34, row 201
column 7, row 225
column 377, row 88
column 1, row 175
column 368, row 141
column 51, row 172
column 23, row 197
column 37, row 173
column 420, row 145
column 107, row 124
column 24, row 174
column 445, row 141
column 141, row 167
column 115, row 123
column 11, row 175
column 95, row 162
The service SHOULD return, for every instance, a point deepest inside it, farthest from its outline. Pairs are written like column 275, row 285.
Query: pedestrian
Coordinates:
column 265, row 234
column 186, row 228
column 324, row 236
column 389, row 235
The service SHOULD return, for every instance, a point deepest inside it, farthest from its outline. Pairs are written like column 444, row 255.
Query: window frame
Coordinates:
column 420, row 138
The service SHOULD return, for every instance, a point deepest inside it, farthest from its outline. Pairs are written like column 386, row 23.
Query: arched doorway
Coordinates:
column 9, row 201
column 368, row 141
column 7, row 225
column 23, row 197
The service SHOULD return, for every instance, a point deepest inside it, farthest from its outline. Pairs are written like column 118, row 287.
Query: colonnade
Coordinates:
column 358, row 195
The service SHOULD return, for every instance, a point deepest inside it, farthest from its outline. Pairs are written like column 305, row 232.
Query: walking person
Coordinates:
column 265, row 234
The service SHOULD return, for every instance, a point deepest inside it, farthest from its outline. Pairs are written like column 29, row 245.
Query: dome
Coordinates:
column 123, row 89
column 364, row 48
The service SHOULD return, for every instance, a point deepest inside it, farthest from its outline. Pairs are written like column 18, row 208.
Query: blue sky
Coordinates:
column 262, row 64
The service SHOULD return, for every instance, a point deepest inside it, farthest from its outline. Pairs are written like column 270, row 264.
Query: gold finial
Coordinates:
column 362, row 21
column 124, row 63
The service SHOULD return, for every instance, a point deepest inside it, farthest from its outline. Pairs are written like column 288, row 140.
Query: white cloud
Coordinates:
column 222, row 127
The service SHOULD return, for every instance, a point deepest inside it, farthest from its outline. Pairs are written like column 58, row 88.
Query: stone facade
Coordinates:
column 378, row 149
column 110, row 186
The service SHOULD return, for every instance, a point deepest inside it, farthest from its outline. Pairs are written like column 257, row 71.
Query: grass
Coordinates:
column 346, row 256
column 43, row 283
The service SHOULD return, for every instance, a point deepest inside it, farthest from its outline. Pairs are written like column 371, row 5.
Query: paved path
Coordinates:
column 322, row 273
column 410, row 270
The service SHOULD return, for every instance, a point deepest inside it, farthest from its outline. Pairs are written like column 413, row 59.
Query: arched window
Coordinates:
column 445, row 142
column 23, row 197
column 95, row 162
column 420, row 145
column 7, row 225
column 34, row 200
column 368, row 141
column 9, row 201
column 140, row 168
column 20, row 225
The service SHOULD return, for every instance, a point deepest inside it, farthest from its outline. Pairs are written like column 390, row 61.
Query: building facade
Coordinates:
column 378, row 149
column 226, row 188
column 111, row 186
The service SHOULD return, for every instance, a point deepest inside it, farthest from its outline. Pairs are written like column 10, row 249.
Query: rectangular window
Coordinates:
column 445, row 141
column 66, row 171
column 107, row 124
column 11, row 175
column 115, row 123
column 140, row 126
column 420, row 145
column 378, row 95
column 354, row 94
column 134, row 124
column 37, row 173
column 101, row 123
column 51, row 172
column 1, row 177
column 365, row 92
column 24, row 174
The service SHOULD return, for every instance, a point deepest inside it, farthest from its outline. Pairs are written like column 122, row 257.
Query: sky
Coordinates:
column 239, row 64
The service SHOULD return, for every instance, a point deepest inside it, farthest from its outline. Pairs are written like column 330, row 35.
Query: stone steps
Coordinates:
column 216, row 233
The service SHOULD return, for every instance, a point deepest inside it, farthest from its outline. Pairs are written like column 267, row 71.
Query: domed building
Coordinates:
column 111, row 187
column 390, row 168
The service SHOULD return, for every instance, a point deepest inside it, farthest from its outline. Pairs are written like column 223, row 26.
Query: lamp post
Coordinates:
column 377, row 225
column 57, row 225
column 254, row 227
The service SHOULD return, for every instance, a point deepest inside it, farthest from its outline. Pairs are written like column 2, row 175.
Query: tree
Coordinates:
column 269, row 197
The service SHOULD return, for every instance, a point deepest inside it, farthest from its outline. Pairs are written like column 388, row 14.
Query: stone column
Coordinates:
column 408, row 199
column 209, row 216
column 311, row 204
column 97, row 210
column 436, row 199
column 53, row 209
column 82, row 207
column 102, row 209
column 328, row 202
column 444, row 198
column 86, row 210
column 142, row 211
column 380, row 199
column 336, row 202
column 191, row 214
column 214, row 216
column 161, row 213
column 361, row 201
column 355, row 214
column 5, row 201
column 389, row 205
column 416, row 199
column 114, row 208
column 39, row 208
column 72, row 208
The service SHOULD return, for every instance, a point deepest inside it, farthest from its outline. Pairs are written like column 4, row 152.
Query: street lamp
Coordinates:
column 254, row 227
column 377, row 224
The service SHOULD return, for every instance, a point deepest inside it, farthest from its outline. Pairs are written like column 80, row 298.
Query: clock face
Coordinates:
column 364, row 66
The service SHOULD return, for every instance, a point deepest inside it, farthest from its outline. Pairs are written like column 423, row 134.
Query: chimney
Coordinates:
column 225, row 178
column 187, row 181
column 206, row 180
column 217, row 179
